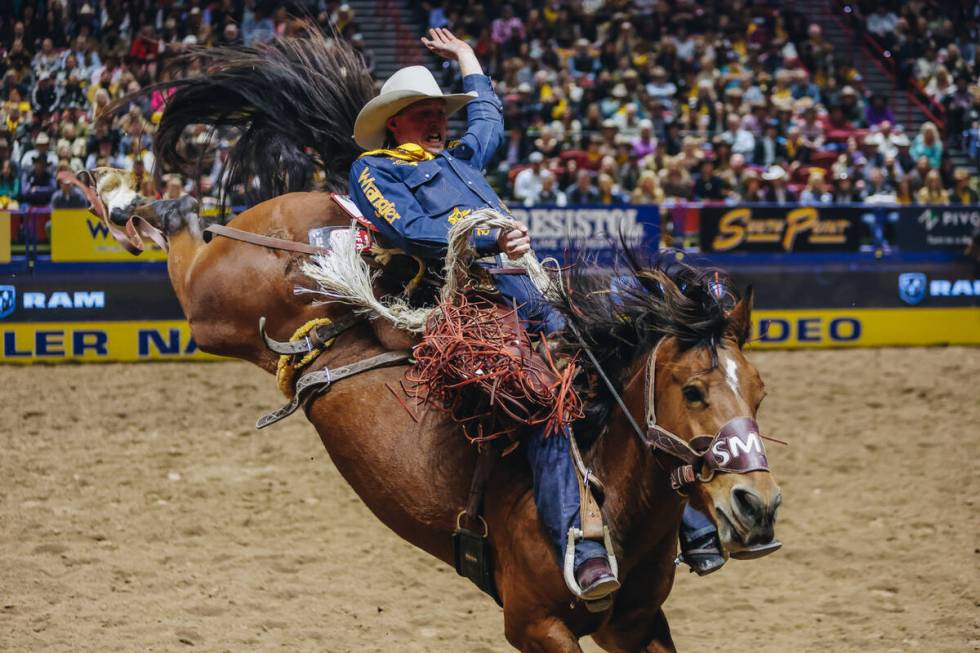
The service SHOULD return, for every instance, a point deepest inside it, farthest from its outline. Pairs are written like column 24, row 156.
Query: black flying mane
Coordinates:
column 294, row 102
column 622, row 314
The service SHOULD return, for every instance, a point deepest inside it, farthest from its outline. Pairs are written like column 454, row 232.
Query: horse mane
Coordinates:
column 622, row 313
column 293, row 101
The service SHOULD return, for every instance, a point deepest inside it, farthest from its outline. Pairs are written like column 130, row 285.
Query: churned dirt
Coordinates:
column 140, row 511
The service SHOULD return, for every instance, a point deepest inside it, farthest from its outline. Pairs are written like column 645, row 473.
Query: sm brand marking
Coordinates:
column 736, row 447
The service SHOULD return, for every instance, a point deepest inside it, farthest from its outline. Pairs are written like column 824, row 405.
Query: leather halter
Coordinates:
column 735, row 449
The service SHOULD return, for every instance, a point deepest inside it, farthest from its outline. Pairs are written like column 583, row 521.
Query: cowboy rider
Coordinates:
column 414, row 188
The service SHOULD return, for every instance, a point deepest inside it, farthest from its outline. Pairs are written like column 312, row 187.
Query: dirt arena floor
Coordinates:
column 140, row 511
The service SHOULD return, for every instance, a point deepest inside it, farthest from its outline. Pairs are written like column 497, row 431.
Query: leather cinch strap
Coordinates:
column 316, row 383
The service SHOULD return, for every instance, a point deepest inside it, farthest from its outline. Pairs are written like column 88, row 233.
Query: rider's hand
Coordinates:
column 514, row 242
column 446, row 45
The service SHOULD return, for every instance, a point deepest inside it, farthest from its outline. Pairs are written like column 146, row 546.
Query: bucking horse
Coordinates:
column 670, row 349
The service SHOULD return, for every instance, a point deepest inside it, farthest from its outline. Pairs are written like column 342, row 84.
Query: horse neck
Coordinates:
column 640, row 506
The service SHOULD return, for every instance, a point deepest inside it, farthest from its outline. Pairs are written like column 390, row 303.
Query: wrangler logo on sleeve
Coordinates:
column 383, row 208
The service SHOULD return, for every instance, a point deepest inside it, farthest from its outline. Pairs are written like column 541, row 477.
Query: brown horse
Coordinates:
column 415, row 475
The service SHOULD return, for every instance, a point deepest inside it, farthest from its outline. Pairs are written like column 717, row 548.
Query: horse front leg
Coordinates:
column 546, row 635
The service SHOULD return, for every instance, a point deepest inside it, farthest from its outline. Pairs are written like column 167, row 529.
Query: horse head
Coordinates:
column 706, row 397
column 669, row 337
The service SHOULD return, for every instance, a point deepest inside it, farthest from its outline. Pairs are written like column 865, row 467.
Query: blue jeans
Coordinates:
column 556, row 492
column 695, row 524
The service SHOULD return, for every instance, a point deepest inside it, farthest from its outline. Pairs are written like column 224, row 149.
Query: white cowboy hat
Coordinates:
column 405, row 87
column 774, row 173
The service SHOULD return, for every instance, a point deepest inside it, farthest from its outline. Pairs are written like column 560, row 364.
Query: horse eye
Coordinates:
column 693, row 394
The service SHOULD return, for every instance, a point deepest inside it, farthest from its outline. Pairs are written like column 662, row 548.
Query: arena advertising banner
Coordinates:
column 77, row 236
column 101, row 318
column 930, row 228
column 864, row 327
column 931, row 285
column 772, row 228
column 597, row 229
column 4, row 237
column 51, row 342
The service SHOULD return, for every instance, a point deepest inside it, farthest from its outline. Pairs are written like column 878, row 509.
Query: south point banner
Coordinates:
column 77, row 236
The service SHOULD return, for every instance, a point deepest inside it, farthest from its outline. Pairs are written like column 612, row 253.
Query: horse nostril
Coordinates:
column 748, row 504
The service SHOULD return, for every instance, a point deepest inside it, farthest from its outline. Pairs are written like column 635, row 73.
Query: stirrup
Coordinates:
column 757, row 550
column 595, row 603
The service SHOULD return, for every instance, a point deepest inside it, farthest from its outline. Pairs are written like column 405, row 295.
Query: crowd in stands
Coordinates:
column 934, row 49
column 606, row 101
column 667, row 101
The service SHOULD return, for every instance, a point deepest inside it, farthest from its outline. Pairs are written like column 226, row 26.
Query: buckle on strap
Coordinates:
column 316, row 383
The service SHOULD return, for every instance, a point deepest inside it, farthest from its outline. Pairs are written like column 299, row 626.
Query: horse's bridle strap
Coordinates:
column 736, row 448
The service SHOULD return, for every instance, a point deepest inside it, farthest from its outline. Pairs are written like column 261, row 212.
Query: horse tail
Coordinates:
column 293, row 102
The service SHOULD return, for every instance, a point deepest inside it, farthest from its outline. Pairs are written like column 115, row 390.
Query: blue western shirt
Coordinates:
column 414, row 203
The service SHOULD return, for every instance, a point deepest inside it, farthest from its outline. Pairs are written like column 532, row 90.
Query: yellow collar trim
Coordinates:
column 405, row 152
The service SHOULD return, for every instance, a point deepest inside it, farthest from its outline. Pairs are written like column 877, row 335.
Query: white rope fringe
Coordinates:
column 343, row 276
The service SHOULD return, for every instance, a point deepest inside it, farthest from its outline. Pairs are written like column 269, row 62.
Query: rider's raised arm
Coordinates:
column 484, row 115
column 484, row 123
column 385, row 199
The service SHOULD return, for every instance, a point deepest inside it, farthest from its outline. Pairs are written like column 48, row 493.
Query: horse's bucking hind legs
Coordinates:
column 226, row 286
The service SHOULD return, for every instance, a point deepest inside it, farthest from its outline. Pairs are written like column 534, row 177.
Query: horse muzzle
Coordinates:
column 745, row 510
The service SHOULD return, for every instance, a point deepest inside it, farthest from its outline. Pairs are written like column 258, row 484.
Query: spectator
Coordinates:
column 9, row 185
column 878, row 111
column 962, row 193
column 815, row 191
column 750, row 190
column 932, row 192
column 37, row 185
column 174, row 187
column 928, row 144
column 42, row 150
column 550, row 194
column 708, row 185
column 777, row 191
column 583, row 192
column 903, row 155
column 770, row 147
column 527, row 183
column 844, row 191
column 648, row 189
column 904, row 194
column 508, row 31
column 609, row 193
column 739, row 138
column 877, row 189
column 68, row 196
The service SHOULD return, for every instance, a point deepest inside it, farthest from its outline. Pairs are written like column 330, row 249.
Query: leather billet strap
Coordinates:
column 735, row 449
column 315, row 339
column 316, row 383
column 261, row 241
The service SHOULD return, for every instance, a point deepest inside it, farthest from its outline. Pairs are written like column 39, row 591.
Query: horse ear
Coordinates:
column 740, row 319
